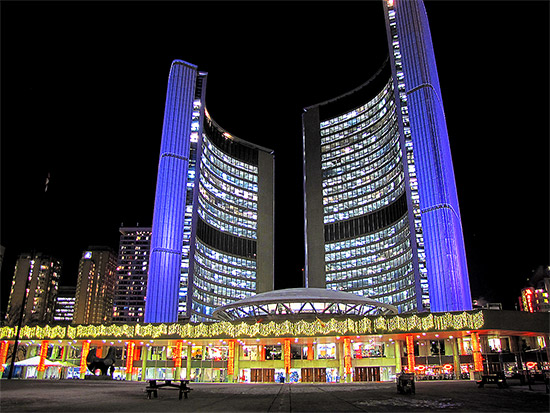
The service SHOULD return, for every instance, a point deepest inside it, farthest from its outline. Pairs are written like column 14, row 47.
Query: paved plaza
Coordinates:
column 115, row 396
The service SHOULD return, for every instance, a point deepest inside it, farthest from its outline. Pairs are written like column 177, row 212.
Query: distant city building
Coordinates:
column 381, row 207
column 213, row 222
column 42, row 273
column 535, row 297
column 133, row 265
column 95, row 287
column 64, row 305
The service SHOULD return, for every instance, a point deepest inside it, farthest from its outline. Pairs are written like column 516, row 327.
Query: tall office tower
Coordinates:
column 382, row 215
column 64, row 305
column 213, row 222
column 39, row 275
column 95, row 286
column 131, row 284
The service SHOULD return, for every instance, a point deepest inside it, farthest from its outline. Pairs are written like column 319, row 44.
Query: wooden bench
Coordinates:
column 498, row 379
column 154, row 385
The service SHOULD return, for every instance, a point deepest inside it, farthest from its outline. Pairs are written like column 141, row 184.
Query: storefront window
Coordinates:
column 250, row 353
column 216, row 353
column 273, row 352
column 367, row 350
column 326, row 351
column 196, row 353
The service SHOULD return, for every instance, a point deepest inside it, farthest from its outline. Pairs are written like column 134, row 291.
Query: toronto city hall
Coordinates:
column 381, row 211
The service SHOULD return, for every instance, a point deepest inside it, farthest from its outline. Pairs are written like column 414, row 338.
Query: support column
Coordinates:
column 188, row 364
column 238, row 349
column 397, row 353
column 456, row 357
column 145, row 350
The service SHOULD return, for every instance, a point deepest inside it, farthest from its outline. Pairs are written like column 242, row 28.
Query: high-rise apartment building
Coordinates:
column 381, row 209
column 38, row 274
column 133, row 265
column 536, row 296
column 213, row 221
column 95, row 286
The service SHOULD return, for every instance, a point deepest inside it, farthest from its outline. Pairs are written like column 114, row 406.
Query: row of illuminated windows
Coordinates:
column 392, row 191
column 218, row 296
column 225, row 258
column 224, row 268
column 368, row 239
column 384, row 278
column 224, row 226
column 330, row 125
column 365, row 150
column 359, row 177
column 204, row 186
column 221, row 174
column 228, row 207
column 221, row 213
column 226, row 187
column 230, row 160
column 219, row 162
column 355, row 140
column 368, row 248
column 209, row 281
column 373, row 291
column 374, row 264
column 367, row 125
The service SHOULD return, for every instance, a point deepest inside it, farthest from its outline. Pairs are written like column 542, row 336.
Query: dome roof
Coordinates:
column 302, row 301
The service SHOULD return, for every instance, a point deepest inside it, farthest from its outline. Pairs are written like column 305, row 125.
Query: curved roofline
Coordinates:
column 300, row 295
column 235, row 138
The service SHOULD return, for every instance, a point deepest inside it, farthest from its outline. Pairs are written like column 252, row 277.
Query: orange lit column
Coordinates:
column 410, row 353
column 231, row 361
column 310, row 354
column 41, row 363
column 85, row 351
column 347, row 358
column 130, row 359
column 4, row 346
column 478, row 358
column 177, row 359
column 287, row 357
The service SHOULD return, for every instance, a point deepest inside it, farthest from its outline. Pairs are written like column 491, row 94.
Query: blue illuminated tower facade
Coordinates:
column 213, row 220
column 381, row 207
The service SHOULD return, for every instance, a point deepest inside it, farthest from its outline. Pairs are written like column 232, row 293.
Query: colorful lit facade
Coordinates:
column 381, row 209
column 310, row 349
column 212, row 239
column 536, row 298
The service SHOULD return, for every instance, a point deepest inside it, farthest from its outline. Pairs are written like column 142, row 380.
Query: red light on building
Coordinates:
column 448, row 367
column 476, row 348
column 421, row 367
column 177, row 353
column 130, row 357
column 347, row 355
column 231, row 358
column 287, row 355
column 531, row 364
column 3, row 354
column 410, row 353
column 85, row 351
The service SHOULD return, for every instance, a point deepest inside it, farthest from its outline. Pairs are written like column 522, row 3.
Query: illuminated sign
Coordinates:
column 287, row 355
column 177, row 353
column 85, row 350
column 476, row 348
column 410, row 353
column 231, row 358
column 3, row 354
column 347, row 355
column 43, row 354
column 130, row 357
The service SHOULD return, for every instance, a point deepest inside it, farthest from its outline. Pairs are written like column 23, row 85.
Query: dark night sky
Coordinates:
column 83, row 88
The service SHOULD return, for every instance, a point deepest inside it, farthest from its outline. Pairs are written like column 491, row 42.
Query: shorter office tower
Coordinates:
column 95, row 287
column 131, row 284
column 39, row 275
column 534, row 298
column 64, row 305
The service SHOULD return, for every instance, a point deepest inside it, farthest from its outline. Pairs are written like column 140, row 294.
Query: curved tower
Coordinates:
column 212, row 235
column 381, row 209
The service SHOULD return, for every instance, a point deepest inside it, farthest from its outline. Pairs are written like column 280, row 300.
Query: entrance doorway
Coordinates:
column 367, row 373
column 262, row 375
column 317, row 375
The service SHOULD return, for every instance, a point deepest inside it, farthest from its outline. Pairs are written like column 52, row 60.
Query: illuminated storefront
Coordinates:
column 309, row 349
